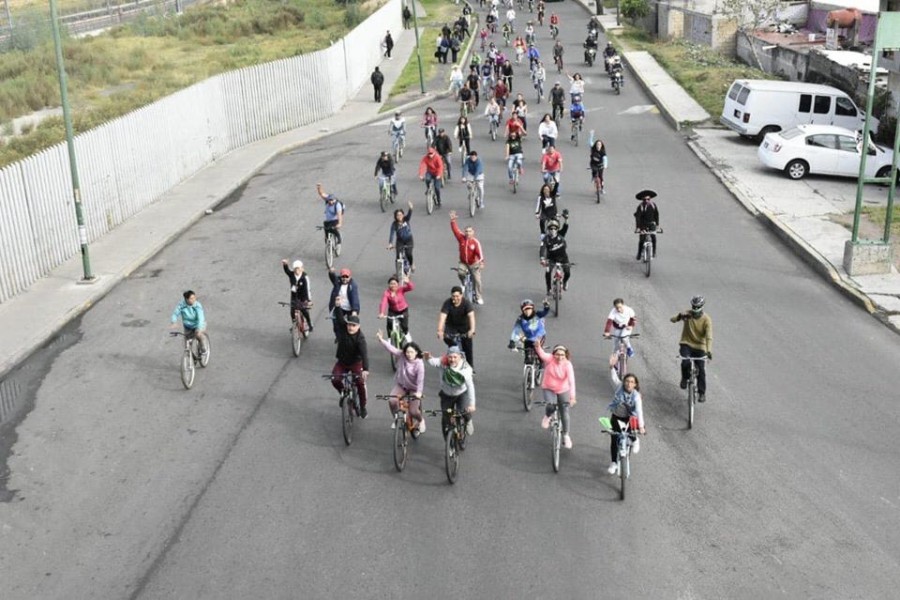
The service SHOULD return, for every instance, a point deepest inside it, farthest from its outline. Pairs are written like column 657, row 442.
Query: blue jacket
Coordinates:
column 352, row 292
column 533, row 328
column 191, row 316
column 474, row 168
column 625, row 405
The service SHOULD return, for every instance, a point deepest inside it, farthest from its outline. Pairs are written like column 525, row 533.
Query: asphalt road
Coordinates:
column 129, row 486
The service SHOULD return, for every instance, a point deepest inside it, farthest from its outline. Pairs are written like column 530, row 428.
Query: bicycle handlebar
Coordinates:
column 696, row 358
column 303, row 304
column 645, row 232
column 403, row 397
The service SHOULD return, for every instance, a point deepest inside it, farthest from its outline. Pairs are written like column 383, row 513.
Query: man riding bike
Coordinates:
column 646, row 218
column 514, row 156
column 397, row 129
column 558, row 100
column 333, row 219
column 551, row 167
column 457, row 387
column 696, row 342
column 558, row 52
column 576, row 113
column 553, row 250
column 473, row 169
column 385, row 169
column 431, row 169
column 352, row 355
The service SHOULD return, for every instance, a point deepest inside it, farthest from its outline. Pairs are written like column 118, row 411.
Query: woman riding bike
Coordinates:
column 626, row 404
column 409, row 380
column 598, row 163
column 558, row 385
column 429, row 123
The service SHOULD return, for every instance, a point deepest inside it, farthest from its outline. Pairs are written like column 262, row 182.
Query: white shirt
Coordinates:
column 343, row 298
column 621, row 319
column 510, row 15
column 549, row 129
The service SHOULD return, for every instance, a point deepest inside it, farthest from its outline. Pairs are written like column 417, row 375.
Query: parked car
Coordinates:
column 823, row 149
column 755, row 107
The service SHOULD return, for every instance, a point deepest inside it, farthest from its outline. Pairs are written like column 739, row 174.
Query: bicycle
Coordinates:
column 474, row 195
column 494, row 125
column 191, row 356
column 557, row 285
column 598, row 182
column 468, row 283
column 532, row 374
column 332, row 245
column 429, row 196
column 623, row 457
column 299, row 327
column 454, row 441
column 401, row 263
column 430, row 132
column 621, row 351
column 554, row 33
column 692, row 386
column 558, row 61
column 555, row 434
column 398, row 145
column 386, row 193
column 576, row 130
column 558, row 112
column 516, row 172
column 396, row 337
column 349, row 403
column 647, row 248
column 539, row 89
column 465, row 108
column 404, row 428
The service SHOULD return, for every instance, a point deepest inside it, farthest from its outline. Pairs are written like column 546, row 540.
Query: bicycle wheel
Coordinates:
column 648, row 256
column 555, row 438
column 621, row 365
column 516, row 179
column 401, row 441
column 597, row 188
column 384, row 197
column 691, row 401
column 296, row 338
column 329, row 251
column 557, row 292
column 204, row 358
column 429, row 199
column 472, row 188
column 623, row 475
column 187, row 369
column 451, row 456
column 347, row 418
column 528, row 387
column 396, row 342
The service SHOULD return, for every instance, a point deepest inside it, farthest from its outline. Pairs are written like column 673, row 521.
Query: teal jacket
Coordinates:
column 191, row 316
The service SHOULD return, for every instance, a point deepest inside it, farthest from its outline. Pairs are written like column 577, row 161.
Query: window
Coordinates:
column 735, row 89
column 791, row 133
column 847, row 144
column 843, row 107
column 822, row 105
column 822, row 141
column 805, row 102
column 742, row 97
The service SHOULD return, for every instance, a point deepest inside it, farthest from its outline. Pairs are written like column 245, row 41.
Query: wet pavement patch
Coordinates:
column 18, row 391
column 231, row 198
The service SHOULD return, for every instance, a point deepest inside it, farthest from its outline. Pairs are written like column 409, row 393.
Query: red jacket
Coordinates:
column 432, row 163
column 469, row 249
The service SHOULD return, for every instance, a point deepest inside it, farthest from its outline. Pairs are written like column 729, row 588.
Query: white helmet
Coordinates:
column 298, row 264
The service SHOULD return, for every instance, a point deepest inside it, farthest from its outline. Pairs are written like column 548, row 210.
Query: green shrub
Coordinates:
column 634, row 9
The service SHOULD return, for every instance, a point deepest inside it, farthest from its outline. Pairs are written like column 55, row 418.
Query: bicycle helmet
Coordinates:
column 298, row 264
column 697, row 302
column 553, row 224
column 527, row 302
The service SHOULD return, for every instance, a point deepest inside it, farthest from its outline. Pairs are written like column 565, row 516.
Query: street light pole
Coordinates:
column 418, row 55
column 87, row 277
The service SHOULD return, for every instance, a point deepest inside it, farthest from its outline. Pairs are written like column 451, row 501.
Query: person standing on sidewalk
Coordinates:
column 471, row 258
column 696, row 342
column 388, row 45
column 407, row 15
column 377, row 80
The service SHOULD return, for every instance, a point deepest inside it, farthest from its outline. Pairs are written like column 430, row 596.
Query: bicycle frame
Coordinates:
column 692, row 386
column 627, row 429
column 555, row 433
column 622, row 352
column 468, row 284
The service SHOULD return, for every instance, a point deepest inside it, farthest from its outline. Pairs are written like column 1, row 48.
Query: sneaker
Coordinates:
column 413, row 268
column 309, row 328
column 422, row 426
column 363, row 413
column 566, row 286
column 602, row 191
column 393, row 424
column 701, row 397
column 479, row 301
column 407, row 338
column 629, row 352
column 545, row 422
column 470, row 427
column 567, row 441
column 613, row 468
column 638, row 257
column 636, row 445
column 337, row 249
column 683, row 384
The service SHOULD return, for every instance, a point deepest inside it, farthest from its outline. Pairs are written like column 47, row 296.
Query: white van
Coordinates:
column 755, row 107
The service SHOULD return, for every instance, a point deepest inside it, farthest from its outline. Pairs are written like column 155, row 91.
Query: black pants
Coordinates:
column 387, row 51
column 448, row 403
column 465, row 343
column 404, row 321
column 641, row 244
column 409, row 252
column 377, row 92
column 297, row 304
column 331, row 227
column 614, row 440
column 688, row 352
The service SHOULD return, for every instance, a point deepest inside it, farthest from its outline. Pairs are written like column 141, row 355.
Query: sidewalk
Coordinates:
column 804, row 214
column 34, row 317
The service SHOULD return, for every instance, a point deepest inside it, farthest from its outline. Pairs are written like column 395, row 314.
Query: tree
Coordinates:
column 634, row 9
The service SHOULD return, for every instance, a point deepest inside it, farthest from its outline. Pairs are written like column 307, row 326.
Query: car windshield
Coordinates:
column 791, row 133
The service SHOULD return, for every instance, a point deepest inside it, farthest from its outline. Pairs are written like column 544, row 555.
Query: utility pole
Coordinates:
column 418, row 54
column 88, row 277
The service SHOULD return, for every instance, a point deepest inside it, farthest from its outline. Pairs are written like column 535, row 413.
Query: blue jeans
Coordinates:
column 436, row 181
column 514, row 159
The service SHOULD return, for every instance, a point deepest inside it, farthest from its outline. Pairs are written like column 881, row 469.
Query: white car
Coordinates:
column 824, row 149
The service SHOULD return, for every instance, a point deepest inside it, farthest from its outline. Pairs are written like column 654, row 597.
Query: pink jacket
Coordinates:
column 559, row 377
column 397, row 303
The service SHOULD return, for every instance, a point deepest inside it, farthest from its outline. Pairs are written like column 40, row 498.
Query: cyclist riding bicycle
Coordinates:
column 456, row 81
column 431, row 169
column 430, row 123
column 473, row 169
column 402, row 230
column 558, row 385
column 534, row 56
column 554, row 19
column 576, row 86
column 696, row 342
column 463, row 135
column 553, row 250
column 457, row 387
column 493, row 112
column 467, row 98
column 514, row 125
column 530, row 328
column 626, row 404
column 409, row 380
column 443, row 145
column 344, row 299
column 548, row 131
column 558, row 100
column 333, row 218
column 501, row 93
column 471, row 256
column 300, row 290
column 193, row 319
column 394, row 304
column 457, row 321
column 514, row 156
column 385, row 169
column 546, row 208
column 529, row 32
column 576, row 112
column 598, row 163
column 487, row 76
column 353, row 356
column 646, row 218
column 551, row 167
column 619, row 324
column 397, row 127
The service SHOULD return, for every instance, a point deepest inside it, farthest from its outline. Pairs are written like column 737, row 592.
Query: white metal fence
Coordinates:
column 128, row 163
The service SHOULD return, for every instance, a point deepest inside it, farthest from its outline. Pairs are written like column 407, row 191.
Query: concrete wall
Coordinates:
column 713, row 30
column 781, row 61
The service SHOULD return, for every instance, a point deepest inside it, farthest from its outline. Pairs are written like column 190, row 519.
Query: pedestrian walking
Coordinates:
column 407, row 15
column 377, row 80
column 388, row 45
